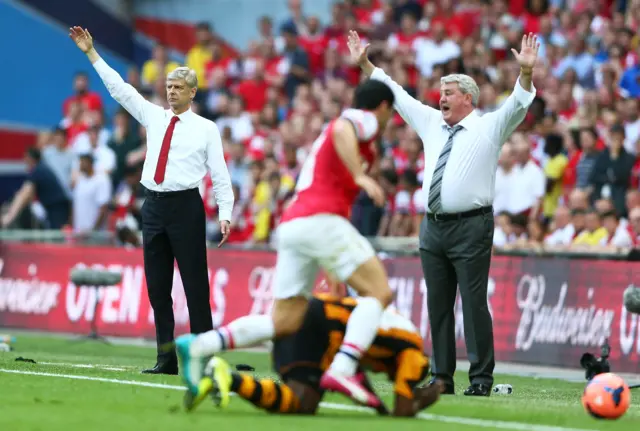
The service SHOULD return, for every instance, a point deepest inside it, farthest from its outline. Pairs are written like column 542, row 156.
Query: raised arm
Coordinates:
column 508, row 117
column 415, row 113
column 221, row 180
column 123, row 93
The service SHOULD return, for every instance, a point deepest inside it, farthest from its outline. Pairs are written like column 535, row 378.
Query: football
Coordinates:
column 606, row 396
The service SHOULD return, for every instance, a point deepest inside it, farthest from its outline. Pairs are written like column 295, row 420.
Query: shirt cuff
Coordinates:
column 524, row 97
column 224, row 215
column 379, row 75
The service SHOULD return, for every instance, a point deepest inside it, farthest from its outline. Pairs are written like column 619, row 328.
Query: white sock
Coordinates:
column 362, row 328
column 243, row 332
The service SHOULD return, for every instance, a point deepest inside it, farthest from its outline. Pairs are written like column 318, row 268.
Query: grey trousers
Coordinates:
column 458, row 252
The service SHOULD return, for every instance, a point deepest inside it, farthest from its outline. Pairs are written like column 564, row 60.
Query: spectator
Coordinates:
column 528, row 179
column 88, row 100
column 91, row 196
column 554, row 171
column 122, row 143
column 103, row 157
column 297, row 19
column 593, row 234
column 127, row 203
column 504, row 184
column 435, row 51
column 631, row 125
column 237, row 120
column 402, row 220
column 157, row 67
column 587, row 160
column 92, row 120
column 297, row 61
column 59, row 158
column 611, row 174
column 41, row 186
column 562, row 231
column 200, row 53
column 617, row 235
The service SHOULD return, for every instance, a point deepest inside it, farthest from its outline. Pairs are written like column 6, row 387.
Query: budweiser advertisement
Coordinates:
column 545, row 311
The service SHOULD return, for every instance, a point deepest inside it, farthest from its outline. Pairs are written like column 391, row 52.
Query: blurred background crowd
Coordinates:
column 568, row 178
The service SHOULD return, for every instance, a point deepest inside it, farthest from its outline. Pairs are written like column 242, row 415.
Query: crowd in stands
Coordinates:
column 568, row 178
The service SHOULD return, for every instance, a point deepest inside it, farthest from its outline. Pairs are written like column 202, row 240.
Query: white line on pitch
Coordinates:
column 93, row 366
column 484, row 423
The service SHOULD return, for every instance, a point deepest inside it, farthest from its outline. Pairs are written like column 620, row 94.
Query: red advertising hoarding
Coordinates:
column 545, row 311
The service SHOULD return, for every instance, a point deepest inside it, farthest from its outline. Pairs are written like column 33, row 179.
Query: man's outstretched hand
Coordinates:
column 359, row 52
column 82, row 38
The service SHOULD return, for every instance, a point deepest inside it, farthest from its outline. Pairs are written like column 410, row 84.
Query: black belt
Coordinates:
column 458, row 216
column 170, row 194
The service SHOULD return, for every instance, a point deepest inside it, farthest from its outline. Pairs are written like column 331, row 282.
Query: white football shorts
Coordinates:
column 307, row 244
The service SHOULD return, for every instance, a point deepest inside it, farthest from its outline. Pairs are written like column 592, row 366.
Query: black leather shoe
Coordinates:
column 478, row 390
column 170, row 368
column 448, row 388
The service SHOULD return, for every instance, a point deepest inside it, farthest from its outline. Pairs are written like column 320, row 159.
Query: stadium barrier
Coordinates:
column 546, row 311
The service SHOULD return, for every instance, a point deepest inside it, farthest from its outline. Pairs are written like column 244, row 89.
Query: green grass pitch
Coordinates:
column 91, row 386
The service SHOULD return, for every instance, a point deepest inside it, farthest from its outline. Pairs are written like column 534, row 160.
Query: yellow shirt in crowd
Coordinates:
column 151, row 71
column 554, row 170
column 262, row 198
column 197, row 58
column 591, row 238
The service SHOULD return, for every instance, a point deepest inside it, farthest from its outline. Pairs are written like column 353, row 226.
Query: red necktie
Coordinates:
column 161, row 167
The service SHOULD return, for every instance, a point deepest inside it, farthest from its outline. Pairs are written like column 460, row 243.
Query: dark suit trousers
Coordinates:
column 458, row 253
column 173, row 227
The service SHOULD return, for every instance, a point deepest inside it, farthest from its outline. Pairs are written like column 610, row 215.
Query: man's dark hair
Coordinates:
column 553, row 144
column 371, row 93
column 203, row 25
column 34, row 154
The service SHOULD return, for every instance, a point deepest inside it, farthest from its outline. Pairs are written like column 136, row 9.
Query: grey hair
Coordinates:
column 466, row 84
column 189, row 76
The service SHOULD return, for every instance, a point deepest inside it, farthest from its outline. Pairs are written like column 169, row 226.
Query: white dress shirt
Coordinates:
column 469, row 178
column 195, row 146
column 527, row 186
column 89, row 195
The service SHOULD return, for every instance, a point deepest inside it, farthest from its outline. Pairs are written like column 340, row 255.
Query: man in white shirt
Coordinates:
column 104, row 158
column 456, row 234
column 528, row 182
column 91, row 195
column 181, row 147
column 504, row 186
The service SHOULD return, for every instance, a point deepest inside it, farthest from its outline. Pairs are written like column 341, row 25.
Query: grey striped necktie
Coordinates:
column 435, row 200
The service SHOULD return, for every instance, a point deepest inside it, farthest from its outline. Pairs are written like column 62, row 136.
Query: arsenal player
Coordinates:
column 315, row 233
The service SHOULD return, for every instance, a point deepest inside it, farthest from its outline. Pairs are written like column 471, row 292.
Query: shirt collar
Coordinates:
column 184, row 116
column 467, row 122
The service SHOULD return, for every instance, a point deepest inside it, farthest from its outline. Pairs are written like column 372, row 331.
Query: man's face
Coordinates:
column 453, row 103
column 592, row 222
column 561, row 218
column 160, row 54
column 384, row 114
column 80, row 84
column 59, row 140
column 203, row 36
column 85, row 164
column 179, row 94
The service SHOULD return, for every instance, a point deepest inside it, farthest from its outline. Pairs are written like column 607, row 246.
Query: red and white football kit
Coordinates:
column 314, row 229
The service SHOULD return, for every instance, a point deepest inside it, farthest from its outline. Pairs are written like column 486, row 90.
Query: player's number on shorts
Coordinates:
column 306, row 173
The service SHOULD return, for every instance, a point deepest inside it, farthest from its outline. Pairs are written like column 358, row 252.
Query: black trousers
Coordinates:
column 173, row 227
column 458, row 253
